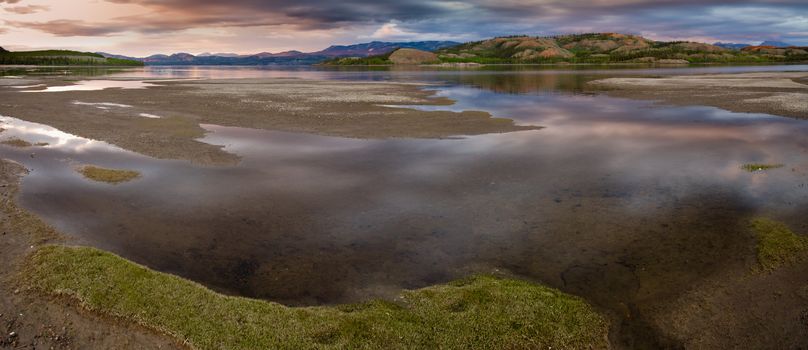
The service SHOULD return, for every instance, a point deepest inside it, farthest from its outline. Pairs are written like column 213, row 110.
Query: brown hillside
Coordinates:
column 413, row 56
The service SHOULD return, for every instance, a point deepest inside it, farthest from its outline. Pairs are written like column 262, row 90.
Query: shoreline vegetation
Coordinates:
column 777, row 244
column 61, row 58
column 492, row 311
column 111, row 176
column 489, row 311
column 590, row 48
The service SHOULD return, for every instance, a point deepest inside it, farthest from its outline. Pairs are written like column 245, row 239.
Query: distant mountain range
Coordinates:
column 732, row 46
column 775, row 43
column 286, row 57
column 738, row 46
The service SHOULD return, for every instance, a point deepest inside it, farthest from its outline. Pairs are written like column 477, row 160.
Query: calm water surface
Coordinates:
column 620, row 201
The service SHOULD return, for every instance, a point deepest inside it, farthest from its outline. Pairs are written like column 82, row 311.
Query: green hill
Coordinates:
column 601, row 48
column 61, row 58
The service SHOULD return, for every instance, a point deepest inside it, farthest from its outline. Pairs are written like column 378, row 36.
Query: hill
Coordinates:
column 61, row 58
column 776, row 53
column 287, row 57
column 598, row 48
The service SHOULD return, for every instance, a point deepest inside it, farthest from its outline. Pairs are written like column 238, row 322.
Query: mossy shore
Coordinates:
column 112, row 176
column 777, row 244
column 482, row 312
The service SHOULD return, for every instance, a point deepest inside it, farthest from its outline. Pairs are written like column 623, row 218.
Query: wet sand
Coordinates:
column 173, row 111
column 30, row 321
column 777, row 93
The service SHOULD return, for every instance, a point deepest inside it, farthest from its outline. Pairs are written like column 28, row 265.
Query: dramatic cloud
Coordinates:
column 249, row 25
column 309, row 12
column 26, row 10
column 72, row 28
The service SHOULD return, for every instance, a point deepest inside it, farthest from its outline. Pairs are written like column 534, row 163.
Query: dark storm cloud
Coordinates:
column 185, row 14
column 721, row 19
column 311, row 13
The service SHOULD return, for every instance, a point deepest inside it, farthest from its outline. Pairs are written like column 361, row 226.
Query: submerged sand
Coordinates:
column 30, row 321
column 777, row 93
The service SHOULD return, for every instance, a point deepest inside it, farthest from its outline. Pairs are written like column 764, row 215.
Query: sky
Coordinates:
column 145, row 27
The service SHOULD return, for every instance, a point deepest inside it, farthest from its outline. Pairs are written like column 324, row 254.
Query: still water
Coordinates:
column 622, row 202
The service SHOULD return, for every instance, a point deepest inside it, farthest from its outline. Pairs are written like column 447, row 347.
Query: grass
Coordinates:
column 777, row 245
column 15, row 142
column 113, row 176
column 482, row 312
column 753, row 167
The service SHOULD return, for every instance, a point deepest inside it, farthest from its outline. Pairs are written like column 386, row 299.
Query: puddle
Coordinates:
column 152, row 116
column 93, row 85
column 101, row 105
column 55, row 139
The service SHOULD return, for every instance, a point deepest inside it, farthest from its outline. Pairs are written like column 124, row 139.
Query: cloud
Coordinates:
column 390, row 31
column 26, row 10
column 71, row 27
column 177, row 15
column 173, row 15
column 725, row 20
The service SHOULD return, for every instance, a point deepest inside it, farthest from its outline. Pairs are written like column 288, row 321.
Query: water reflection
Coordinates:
column 617, row 201
column 308, row 219
column 94, row 85
column 38, row 133
column 504, row 79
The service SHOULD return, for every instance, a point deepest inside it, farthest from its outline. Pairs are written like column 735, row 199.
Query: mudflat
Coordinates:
column 163, row 120
column 777, row 93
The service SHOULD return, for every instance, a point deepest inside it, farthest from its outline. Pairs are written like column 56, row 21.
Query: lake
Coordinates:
column 624, row 202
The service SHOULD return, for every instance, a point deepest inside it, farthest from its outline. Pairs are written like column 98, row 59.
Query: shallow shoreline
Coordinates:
column 51, row 284
column 32, row 320
column 783, row 94
column 344, row 109
column 701, row 264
